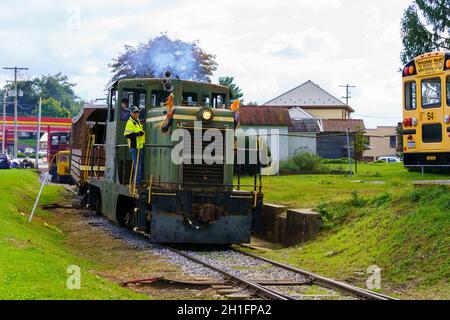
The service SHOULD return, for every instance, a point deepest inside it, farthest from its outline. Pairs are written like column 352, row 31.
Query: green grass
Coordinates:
column 379, row 220
column 34, row 259
column 27, row 143
column 303, row 191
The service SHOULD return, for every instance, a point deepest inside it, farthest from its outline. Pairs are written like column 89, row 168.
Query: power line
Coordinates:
column 377, row 117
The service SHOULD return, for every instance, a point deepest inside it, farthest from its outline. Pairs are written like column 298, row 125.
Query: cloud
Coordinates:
column 311, row 42
column 268, row 46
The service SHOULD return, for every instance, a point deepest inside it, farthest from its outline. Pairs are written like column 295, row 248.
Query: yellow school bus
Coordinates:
column 426, row 111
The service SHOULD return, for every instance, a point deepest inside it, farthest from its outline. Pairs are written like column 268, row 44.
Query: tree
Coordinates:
column 235, row 91
column 425, row 27
column 53, row 108
column 55, row 86
column 152, row 59
column 361, row 144
column 59, row 88
column 252, row 104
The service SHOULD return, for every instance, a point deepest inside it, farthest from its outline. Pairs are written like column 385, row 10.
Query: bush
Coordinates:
column 384, row 198
column 304, row 162
column 21, row 155
column 335, row 161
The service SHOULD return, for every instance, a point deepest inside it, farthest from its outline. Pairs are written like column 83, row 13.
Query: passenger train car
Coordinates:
column 187, row 202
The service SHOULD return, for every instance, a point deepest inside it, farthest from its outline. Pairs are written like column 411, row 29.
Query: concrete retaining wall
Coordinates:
column 289, row 227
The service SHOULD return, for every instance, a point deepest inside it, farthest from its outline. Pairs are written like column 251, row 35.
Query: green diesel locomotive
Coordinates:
column 189, row 201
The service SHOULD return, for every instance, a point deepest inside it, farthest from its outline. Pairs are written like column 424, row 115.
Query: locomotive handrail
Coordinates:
column 146, row 145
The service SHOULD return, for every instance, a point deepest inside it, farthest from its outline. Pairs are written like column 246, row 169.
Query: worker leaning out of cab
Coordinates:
column 134, row 132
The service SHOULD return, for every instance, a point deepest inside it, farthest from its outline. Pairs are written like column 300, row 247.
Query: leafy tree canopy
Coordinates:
column 58, row 97
column 425, row 27
column 235, row 91
column 153, row 58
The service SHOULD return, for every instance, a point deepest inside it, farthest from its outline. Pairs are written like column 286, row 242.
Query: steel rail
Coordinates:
column 257, row 288
column 325, row 282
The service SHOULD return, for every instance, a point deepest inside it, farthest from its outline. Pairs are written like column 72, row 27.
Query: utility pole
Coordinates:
column 38, row 136
column 347, row 94
column 4, row 124
column 16, row 94
column 349, row 153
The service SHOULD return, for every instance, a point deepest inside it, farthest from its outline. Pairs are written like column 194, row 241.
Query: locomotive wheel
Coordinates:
column 98, row 205
column 129, row 220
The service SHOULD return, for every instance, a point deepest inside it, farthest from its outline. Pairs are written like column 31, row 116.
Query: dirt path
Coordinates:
column 118, row 261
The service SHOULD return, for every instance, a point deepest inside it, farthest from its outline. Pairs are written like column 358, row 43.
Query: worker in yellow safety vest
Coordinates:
column 134, row 132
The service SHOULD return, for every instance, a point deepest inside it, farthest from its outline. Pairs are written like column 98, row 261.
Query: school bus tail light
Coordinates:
column 410, row 69
column 414, row 122
column 447, row 119
column 447, row 63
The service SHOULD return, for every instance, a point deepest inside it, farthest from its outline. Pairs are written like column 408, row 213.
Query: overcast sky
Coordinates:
column 268, row 46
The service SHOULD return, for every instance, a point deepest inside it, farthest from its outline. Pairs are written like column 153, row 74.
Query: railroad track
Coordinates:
column 250, row 285
column 245, row 270
column 269, row 293
column 326, row 282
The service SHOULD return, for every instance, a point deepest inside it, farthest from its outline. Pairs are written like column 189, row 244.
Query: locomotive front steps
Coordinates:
column 288, row 226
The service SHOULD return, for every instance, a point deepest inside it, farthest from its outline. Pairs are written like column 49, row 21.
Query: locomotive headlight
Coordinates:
column 206, row 115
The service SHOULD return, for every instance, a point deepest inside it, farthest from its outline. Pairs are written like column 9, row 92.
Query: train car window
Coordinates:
column 112, row 104
column 431, row 93
column 55, row 140
column 410, row 96
column 190, row 99
column 218, row 101
column 432, row 133
column 64, row 140
column 158, row 98
column 448, row 91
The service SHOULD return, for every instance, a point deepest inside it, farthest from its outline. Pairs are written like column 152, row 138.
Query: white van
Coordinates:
column 390, row 159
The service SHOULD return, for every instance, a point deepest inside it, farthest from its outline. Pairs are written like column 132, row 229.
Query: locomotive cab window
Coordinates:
column 158, row 98
column 410, row 96
column 431, row 93
column 189, row 99
column 131, row 98
column 206, row 100
column 218, row 101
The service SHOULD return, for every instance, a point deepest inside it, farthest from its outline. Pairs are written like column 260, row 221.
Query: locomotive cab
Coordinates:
column 188, row 195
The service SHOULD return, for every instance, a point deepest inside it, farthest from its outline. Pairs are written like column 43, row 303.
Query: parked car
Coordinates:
column 5, row 163
column 390, row 159
column 43, row 154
